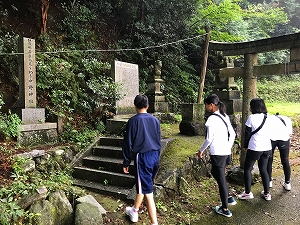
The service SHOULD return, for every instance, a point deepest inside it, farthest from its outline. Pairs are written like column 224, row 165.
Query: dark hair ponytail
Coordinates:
column 222, row 108
column 214, row 99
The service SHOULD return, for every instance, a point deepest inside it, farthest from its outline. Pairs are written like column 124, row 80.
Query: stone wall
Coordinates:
column 54, row 208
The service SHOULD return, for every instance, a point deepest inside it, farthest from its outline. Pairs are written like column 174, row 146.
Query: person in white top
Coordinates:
column 282, row 129
column 220, row 138
column 257, row 143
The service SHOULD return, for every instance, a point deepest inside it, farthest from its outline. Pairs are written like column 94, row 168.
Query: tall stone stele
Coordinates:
column 126, row 74
column 34, row 130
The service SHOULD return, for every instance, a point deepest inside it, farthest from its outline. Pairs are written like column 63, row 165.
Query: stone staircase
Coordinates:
column 100, row 170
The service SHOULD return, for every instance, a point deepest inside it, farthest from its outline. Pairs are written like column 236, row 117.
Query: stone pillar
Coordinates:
column 34, row 130
column 157, row 101
column 227, row 90
column 249, row 92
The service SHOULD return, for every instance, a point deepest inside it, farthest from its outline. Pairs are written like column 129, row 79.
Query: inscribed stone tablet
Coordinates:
column 128, row 75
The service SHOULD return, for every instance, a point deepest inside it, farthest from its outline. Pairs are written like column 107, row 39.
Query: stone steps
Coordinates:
column 101, row 170
column 105, row 163
column 109, row 190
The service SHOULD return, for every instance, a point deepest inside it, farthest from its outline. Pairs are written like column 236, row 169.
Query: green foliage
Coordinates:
column 156, row 23
column 290, row 109
column 262, row 19
column 8, row 44
column 234, row 20
column 55, row 77
column 78, row 85
column 287, row 90
column 273, row 57
column 10, row 212
column 76, row 24
column 105, row 92
column 216, row 16
column 277, row 89
column 81, row 137
column 160, row 206
column 9, row 124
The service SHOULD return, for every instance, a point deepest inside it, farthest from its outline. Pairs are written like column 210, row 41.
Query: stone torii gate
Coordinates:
column 251, row 70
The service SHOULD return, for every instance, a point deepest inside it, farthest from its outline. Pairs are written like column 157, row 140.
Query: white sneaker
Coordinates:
column 134, row 216
column 246, row 196
column 267, row 197
column 287, row 186
column 271, row 184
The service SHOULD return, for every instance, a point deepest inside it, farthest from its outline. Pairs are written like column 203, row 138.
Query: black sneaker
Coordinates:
column 221, row 211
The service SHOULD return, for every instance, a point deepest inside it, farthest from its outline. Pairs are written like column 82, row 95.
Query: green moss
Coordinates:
column 180, row 149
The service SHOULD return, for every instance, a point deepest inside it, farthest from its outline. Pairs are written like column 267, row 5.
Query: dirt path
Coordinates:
column 282, row 209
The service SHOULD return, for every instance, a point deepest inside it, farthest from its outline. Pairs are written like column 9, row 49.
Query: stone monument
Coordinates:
column 34, row 130
column 128, row 75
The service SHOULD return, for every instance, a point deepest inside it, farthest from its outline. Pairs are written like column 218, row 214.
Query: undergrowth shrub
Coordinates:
column 9, row 124
column 277, row 88
column 81, row 137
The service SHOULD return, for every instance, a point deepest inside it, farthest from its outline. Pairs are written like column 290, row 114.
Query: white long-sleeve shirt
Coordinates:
column 217, row 135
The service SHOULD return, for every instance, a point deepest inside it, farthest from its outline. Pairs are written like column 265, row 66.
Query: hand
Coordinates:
column 199, row 154
column 245, row 149
column 126, row 169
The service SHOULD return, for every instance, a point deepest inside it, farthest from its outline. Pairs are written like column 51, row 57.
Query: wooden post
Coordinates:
column 204, row 65
column 249, row 92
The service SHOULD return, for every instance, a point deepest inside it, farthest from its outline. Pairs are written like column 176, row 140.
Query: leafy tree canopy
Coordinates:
column 234, row 20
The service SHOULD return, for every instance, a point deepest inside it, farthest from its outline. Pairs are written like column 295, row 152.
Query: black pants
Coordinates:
column 218, row 171
column 263, row 158
column 284, row 150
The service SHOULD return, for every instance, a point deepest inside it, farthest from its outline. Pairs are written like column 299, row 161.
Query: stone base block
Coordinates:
column 233, row 106
column 116, row 126
column 156, row 98
column 193, row 112
column 165, row 117
column 31, row 115
column 38, row 134
column 158, row 107
column 231, row 94
column 192, row 128
column 125, row 110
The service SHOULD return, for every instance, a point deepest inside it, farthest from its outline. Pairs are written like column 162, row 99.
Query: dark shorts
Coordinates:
column 146, row 168
column 220, row 160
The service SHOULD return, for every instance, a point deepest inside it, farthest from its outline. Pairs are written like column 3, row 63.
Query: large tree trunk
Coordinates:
column 45, row 8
